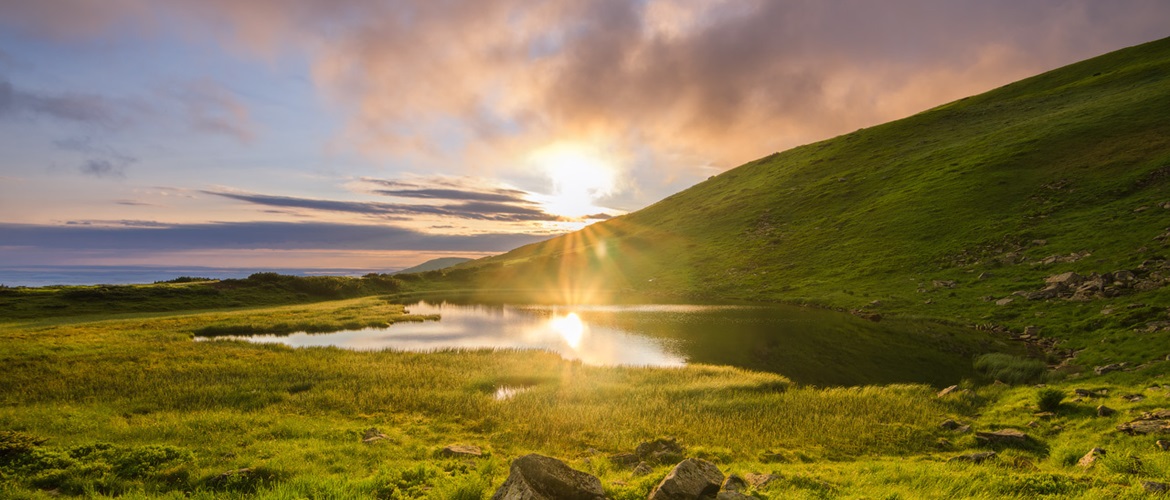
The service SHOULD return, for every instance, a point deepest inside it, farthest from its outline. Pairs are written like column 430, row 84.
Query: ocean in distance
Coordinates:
column 120, row 275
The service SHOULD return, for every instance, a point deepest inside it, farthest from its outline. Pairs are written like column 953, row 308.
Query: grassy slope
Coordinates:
column 947, row 194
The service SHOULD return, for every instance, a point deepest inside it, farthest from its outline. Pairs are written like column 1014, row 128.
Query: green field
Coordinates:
column 937, row 219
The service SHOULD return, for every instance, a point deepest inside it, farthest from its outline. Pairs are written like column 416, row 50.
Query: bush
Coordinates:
column 1049, row 399
column 1011, row 369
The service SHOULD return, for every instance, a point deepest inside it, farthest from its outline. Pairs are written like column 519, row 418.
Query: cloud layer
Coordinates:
column 673, row 83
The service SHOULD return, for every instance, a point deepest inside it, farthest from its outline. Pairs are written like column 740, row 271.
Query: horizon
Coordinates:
column 366, row 135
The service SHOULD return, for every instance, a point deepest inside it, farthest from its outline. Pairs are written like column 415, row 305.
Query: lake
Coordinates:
column 810, row 346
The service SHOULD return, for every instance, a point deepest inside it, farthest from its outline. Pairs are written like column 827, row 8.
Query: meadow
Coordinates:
column 128, row 405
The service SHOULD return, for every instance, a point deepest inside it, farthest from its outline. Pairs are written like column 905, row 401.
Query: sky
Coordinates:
column 378, row 134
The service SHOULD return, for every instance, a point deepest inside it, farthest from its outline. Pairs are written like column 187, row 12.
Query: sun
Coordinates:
column 580, row 176
column 569, row 327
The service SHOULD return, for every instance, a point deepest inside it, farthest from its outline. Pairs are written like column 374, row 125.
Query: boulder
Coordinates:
column 735, row 483
column 461, row 451
column 1105, row 411
column 950, row 425
column 1133, row 398
column 537, row 477
column 1162, row 444
column 1091, row 457
column 760, row 480
column 642, row 469
column 659, row 451
column 975, row 458
column 1003, row 302
column 1002, row 436
column 625, row 459
column 948, row 390
column 691, row 479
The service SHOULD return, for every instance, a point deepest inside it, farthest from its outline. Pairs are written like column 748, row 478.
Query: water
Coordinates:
column 809, row 346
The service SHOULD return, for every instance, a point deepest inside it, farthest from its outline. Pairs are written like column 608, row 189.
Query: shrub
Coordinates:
column 1010, row 369
column 1049, row 399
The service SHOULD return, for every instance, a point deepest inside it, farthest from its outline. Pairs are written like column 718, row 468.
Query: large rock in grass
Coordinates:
column 537, row 477
column 691, row 479
column 1153, row 422
column 659, row 451
column 461, row 451
column 1002, row 436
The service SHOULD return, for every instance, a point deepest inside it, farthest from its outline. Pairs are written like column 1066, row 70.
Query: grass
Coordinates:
column 132, row 407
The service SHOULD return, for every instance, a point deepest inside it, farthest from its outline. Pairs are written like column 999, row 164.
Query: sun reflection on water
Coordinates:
column 569, row 327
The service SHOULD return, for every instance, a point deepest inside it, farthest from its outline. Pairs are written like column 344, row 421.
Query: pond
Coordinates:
column 809, row 346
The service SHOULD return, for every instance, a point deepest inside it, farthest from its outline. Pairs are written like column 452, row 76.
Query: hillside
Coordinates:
column 944, row 215
column 434, row 265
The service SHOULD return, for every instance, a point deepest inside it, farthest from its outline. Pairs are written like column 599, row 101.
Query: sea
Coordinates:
column 37, row 276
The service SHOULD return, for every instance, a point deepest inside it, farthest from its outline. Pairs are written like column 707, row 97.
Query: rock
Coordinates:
column 943, row 283
column 983, row 276
column 642, row 469
column 1163, row 444
column 1003, row 302
column 461, row 451
column 1133, row 398
column 950, row 425
column 1101, row 370
column 1044, row 415
column 1002, row 436
column 733, row 495
column 537, row 477
column 948, row 390
column 1033, row 424
column 759, row 480
column 371, row 435
column 963, row 429
column 624, row 459
column 735, row 483
column 1070, row 278
column 975, row 458
column 691, row 479
column 1155, row 487
column 1032, row 330
column 1105, row 411
column 659, row 451
column 1091, row 457
column 1084, row 393
column 1155, row 422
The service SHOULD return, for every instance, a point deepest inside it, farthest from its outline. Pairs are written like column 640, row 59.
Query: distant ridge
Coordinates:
column 434, row 265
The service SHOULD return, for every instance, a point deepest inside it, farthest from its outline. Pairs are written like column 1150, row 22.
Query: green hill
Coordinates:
column 434, row 265
column 941, row 215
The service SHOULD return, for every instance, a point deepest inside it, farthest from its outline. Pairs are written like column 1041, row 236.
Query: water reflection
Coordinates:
column 557, row 329
column 807, row 345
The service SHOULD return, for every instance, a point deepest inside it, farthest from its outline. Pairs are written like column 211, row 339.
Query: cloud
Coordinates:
column 439, row 188
column 103, row 160
column 158, row 237
column 485, row 211
column 672, row 85
column 72, row 107
column 210, row 107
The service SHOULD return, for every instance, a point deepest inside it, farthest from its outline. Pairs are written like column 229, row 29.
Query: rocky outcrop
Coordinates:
column 1002, row 436
column 1153, row 422
column 537, row 477
column 691, row 479
column 461, row 451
